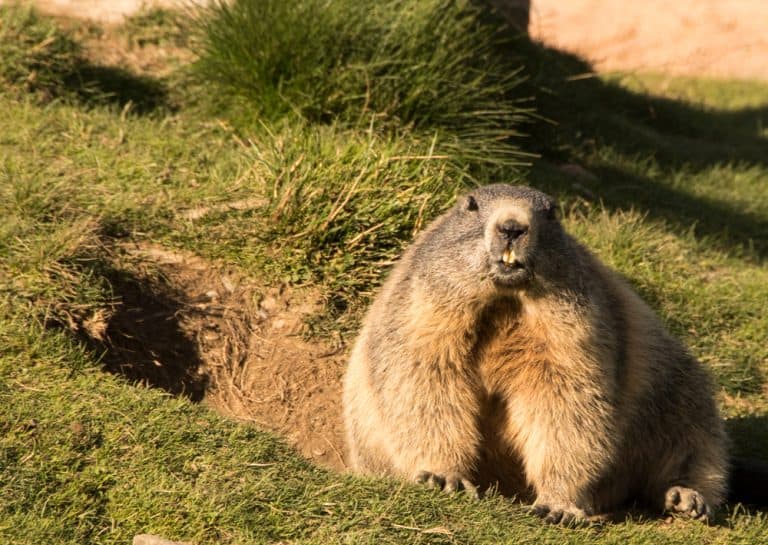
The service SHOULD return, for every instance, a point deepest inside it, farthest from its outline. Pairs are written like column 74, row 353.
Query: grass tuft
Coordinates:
column 430, row 65
column 347, row 202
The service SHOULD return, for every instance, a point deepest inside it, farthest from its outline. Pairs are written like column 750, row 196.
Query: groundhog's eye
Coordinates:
column 471, row 203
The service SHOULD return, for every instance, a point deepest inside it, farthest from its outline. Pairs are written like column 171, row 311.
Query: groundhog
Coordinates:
column 501, row 352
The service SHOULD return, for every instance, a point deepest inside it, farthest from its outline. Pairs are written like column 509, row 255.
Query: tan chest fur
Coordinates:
column 522, row 352
column 528, row 369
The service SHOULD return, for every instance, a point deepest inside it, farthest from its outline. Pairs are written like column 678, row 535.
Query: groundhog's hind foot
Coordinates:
column 686, row 501
column 450, row 482
column 567, row 515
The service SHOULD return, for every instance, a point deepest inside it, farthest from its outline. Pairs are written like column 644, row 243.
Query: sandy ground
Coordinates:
column 721, row 38
column 108, row 11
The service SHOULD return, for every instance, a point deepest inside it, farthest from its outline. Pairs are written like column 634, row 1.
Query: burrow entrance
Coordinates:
column 197, row 329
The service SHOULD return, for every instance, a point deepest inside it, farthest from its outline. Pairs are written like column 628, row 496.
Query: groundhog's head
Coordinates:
column 497, row 238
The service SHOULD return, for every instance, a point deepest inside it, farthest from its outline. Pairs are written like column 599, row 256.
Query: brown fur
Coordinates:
column 550, row 379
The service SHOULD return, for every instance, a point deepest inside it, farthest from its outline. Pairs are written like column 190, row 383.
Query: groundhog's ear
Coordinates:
column 471, row 203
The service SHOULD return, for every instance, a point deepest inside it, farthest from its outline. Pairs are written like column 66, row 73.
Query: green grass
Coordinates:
column 676, row 201
column 87, row 458
column 37, row 56
column 41, row 61
column 157, row 26
column 431, row 66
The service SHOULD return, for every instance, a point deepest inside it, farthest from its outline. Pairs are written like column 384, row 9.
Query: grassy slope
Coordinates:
column 88, row 458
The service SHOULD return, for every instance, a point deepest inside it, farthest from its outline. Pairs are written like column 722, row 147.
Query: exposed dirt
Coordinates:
column 719, row 38
column 111, row 48
column 112, row 11
column 144, row 337
column 198, row 329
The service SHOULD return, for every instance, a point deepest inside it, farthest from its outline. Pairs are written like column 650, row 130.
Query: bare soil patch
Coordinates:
column 113, row 11
column 717, row 38
column 110, row 48
column 200, row 329
column 108, row 45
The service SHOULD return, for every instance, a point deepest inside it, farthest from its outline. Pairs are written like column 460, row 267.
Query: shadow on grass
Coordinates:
column 749, row 474
column 94, row 84
column 145, row 341
column 736, row 232
column 587, row 108
column 749, row 435
column 587, row 114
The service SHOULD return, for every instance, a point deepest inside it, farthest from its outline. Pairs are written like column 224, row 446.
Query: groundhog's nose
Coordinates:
column 511, row 229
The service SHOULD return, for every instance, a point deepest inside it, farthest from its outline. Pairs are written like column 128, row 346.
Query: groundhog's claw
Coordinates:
column 450, row 482
column 688, row 502
column 566, row 515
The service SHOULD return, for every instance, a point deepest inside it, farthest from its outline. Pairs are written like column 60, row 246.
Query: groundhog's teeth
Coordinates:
column 508, row 256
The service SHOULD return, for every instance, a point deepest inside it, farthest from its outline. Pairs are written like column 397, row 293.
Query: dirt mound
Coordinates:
column 195, row 328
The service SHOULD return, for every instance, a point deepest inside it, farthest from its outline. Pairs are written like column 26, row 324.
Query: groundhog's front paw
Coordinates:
column 687, row 501
column 449, row 482
column 559, row 513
